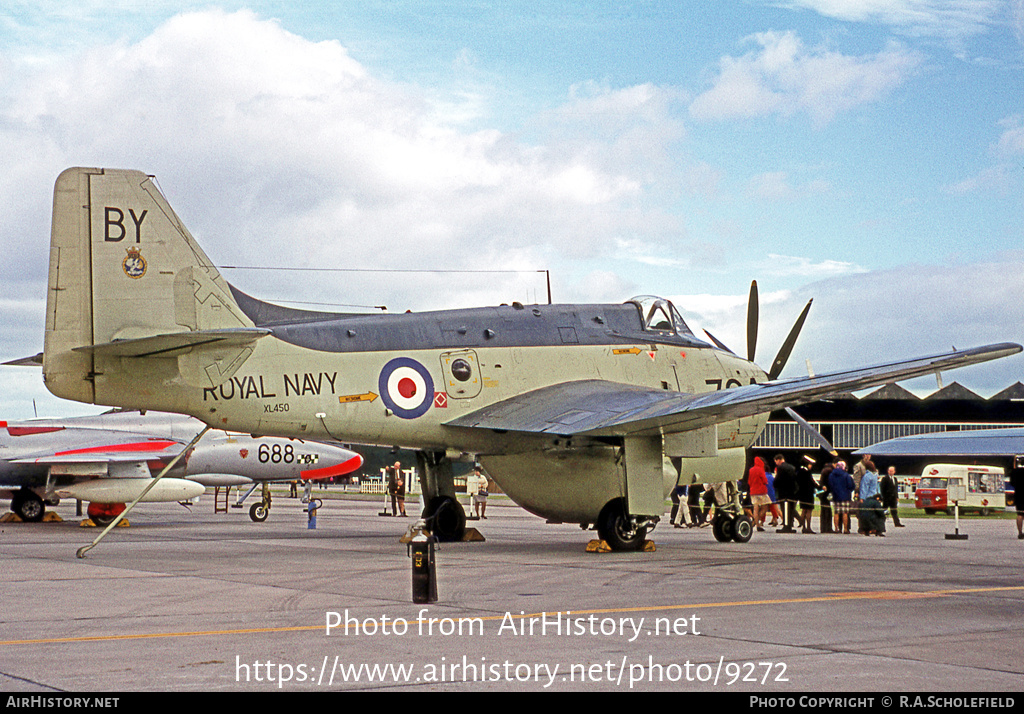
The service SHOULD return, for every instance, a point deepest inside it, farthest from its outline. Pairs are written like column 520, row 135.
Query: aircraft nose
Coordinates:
column 339, row 462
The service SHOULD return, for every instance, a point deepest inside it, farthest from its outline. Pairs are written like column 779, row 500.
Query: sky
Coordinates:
column 868, row 154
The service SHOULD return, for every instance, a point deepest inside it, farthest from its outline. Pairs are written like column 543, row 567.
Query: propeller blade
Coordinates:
column 787, row 347
column 812, row 432
column 752, row 316
column 718, row 343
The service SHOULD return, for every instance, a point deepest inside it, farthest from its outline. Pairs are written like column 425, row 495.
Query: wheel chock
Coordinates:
column 472, row 535
column 48, row 517
column 90, row 523
column 600, row 546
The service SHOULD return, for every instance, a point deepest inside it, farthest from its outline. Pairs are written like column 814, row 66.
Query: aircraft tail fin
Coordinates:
column 124, row 268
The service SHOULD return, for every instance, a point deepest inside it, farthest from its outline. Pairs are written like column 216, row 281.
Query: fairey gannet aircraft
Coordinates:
column 109, row 459
column 581, row 413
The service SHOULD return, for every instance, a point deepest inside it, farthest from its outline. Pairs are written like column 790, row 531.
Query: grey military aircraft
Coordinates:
column 581, row 413
column 108, row 460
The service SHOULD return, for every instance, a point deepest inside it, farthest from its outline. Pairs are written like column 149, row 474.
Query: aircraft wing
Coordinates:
column 976, row 442
column 48, row 442
column 140, row 451
column 600, row 408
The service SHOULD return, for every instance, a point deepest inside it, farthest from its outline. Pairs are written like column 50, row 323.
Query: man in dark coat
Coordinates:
column 805, row 489
column 891, row 495
column 786, row 492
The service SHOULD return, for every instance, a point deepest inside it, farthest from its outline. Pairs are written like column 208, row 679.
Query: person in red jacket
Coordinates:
column 757, row 481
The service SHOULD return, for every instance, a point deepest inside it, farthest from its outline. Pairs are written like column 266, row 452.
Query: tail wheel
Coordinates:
column 445, row 518
column 617, row 529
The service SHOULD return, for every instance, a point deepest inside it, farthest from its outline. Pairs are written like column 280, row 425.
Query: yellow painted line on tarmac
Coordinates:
column 158, row 635
column 828, row 597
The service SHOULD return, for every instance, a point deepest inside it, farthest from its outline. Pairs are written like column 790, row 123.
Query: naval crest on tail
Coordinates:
column 134, row 265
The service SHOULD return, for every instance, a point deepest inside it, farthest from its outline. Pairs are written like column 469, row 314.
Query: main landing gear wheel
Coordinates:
column 258, row 512
column 445, row 519
column 28, row 506
column 617, row 529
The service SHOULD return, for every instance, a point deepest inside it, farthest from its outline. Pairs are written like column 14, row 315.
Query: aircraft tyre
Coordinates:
column 258, row 512
column 446, row 518
column 103, row 514
column 28, row 506
column 743, row 529
column 723, row 528
column 617, row 530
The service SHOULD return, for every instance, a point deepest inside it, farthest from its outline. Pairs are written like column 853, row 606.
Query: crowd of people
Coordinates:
column 848, row 501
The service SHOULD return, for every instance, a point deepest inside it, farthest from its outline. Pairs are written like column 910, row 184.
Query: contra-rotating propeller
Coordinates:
column 779, row 363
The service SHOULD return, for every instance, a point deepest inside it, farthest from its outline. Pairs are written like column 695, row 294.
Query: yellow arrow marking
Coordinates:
column 350, row 398
column 630, row 351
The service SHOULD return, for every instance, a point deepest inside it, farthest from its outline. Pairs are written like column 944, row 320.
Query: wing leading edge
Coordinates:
column 609, row 409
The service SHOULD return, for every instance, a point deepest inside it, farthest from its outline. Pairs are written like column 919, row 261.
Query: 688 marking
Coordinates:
column 276, row 454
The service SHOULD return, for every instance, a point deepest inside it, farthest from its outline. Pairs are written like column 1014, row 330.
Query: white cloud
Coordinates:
column 277, row 150
column 1011, row 142
column 869, row 317
column 941, row 18
column 1002, row 178
column 782, row 76
column 629, row 131
column 788, row 265
column 992, row 180
column 918, row 310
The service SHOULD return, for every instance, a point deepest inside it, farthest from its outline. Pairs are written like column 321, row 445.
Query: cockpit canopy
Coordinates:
column 660, row 315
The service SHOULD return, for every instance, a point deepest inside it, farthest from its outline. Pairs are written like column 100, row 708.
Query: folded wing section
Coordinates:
column 609, row 409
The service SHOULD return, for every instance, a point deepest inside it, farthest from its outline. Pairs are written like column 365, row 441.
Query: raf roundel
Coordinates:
column 406, row 388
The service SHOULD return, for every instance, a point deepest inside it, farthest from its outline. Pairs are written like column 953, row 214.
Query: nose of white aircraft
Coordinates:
column 270, row 459
column 333, row 461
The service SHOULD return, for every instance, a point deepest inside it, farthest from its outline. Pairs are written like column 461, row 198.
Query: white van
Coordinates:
column 985, row 488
